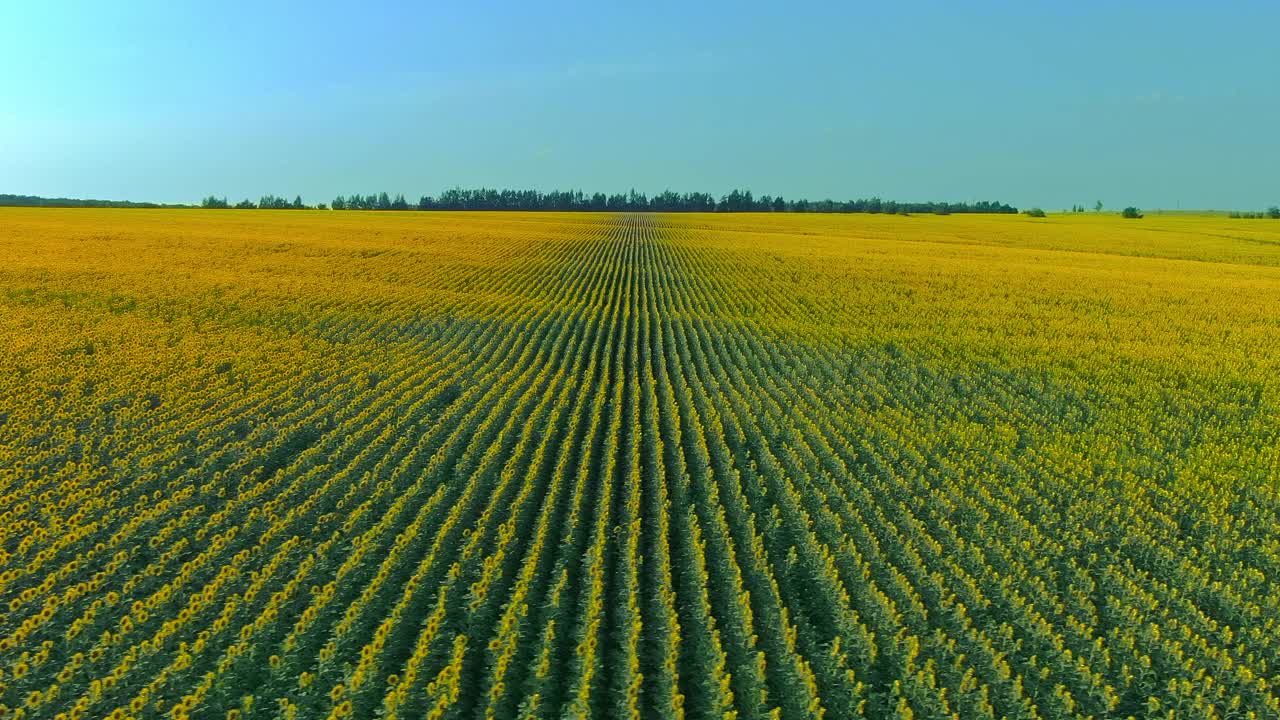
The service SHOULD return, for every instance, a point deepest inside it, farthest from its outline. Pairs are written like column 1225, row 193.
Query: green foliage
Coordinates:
column 271, row 202
column 1131, row 213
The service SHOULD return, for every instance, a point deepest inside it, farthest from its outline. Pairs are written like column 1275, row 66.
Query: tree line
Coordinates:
column 267, row 202
column 578, row 201
column 633, row 201
column 36, row 201
column 1272, row 213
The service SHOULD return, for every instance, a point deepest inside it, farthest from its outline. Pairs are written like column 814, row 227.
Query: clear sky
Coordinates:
column 1036, row 103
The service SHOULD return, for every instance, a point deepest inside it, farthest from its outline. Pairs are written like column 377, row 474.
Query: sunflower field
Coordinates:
column 326, row 465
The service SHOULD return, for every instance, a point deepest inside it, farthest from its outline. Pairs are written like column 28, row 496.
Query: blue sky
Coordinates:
column 1157, row 104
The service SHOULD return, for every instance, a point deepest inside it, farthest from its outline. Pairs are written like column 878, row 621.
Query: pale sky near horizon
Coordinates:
column 1155, row 104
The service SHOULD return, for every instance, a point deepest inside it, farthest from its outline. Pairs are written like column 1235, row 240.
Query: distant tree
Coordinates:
column 383, row 202
column 245, row 204
column 214, row 203
column 321, row 206
column 339, row 203
column 271, row 202
column 733, row 202
column 297, row 203
column 636, row 200
column 1097, row 207
column 399, row 203
column 1131, row 212
column 1273, row 212
column 1034, row 212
